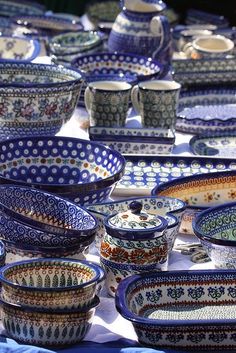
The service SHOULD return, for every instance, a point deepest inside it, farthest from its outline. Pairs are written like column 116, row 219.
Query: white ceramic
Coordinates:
column 157, row 102
column 107, row 102
column 209, row 46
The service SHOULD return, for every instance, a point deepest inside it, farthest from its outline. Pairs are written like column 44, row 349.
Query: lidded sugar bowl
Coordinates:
column 134, row 242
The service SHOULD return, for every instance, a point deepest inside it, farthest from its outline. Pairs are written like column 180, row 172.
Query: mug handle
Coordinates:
column 87, row 100
column 134, row 98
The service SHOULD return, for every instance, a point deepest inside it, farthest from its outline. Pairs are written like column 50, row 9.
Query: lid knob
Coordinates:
column 136, row 207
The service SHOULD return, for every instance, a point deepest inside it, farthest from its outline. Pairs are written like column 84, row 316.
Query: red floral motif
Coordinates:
column 27, row 110
column 232, row 194
column 50, row 109
column 119, row 255
column 139, row 256
column 105, row 249
column 3, row 109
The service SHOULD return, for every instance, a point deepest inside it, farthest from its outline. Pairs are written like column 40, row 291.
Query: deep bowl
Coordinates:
column 36, row 218
column 18, row 49
column 79, row 170
column 51, row 283
column 215, row 228
column 47, row 327
column 36, row 99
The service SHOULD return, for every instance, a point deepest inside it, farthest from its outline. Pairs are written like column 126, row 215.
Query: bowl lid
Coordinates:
column 134, row 218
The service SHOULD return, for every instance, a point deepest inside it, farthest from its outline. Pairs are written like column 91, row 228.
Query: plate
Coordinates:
column 143, row 173
column 209, row 108
column 221, row 144
column 134, row 140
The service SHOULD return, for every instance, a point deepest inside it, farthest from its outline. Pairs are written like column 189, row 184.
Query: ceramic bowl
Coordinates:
column 98, row 11
column 74, row 42
column 36, row 99
column 132, row 66
column 215, row 227
column 199, row 192
column 170, row 208
column 18, row 49
column 25, row 7
column 36, row 218
column 16, row 251
column 50, row 25
column 82, row 171
column 51, row 283
column 2, row 254
column 182, row 310
column 47, row 327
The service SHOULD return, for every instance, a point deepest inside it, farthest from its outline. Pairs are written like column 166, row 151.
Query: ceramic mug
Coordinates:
column 107, row 103
column 209, row 46
column 188, row 35
column 156, row 101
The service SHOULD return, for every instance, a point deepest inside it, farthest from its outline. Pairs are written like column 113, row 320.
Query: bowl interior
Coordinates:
column 76, row 39
column 49, row 274
column 58, row 160
column 16, row 48
column 217, row 223
column 43, row 208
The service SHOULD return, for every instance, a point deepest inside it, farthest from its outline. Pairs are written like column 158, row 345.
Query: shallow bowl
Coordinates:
column 18, row 49
column 36, row 99
column 191, row 310
column 215, row 228
column 47, row 327
column 36, row 218
column 51, row 283
column 199, row 192
column 80, row 170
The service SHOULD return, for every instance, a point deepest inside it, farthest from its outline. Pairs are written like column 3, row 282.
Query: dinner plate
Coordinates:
column 219, row 144
column 144, row 172
column 210, row 108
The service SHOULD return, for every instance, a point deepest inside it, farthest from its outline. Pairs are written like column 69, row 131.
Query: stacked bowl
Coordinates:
column 37, row 224
column 49, row 302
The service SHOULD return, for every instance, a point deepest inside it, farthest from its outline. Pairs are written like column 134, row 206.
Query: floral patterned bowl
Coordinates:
column 36, row 218
column 51, row 283
column 82, row 171
column 215, row 227
column 18, row 49
column 46, row 327
column 36, row 99
column 199, row 192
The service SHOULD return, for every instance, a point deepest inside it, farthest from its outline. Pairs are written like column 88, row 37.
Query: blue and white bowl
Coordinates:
column 215, row 228
column 24, row 7
column 18, row 49
column 82, row 171
column 36, row 99
column 36, row 218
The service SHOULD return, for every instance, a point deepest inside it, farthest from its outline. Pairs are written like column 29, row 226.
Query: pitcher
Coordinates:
column 141, row 29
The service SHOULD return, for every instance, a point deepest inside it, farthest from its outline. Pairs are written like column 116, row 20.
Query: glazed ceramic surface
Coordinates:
column 132, row 140
column 46, row 327
column 215, row 227
column 2, row 254
column 169, row 208
column 199, row 191
column 33, row 217
column 143, row 173
column 218, row 144
column 142, row 28
column 209, row 108
column 52, row 283
column 12, row 7
column 82, row 171
column 19, row 49
column 36, row 99
column 181, row 309
column 190, row 72
column 106, row 11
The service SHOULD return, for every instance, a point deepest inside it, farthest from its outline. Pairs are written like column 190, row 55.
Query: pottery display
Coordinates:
column 18, row 49
column 142, row 28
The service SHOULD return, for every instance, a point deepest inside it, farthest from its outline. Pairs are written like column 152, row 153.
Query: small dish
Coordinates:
column 51, row 283
column 210, row 108
column 219, row 144
column 215, row 228
column 181, row 309
column 134, row 140
column 18, row 49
